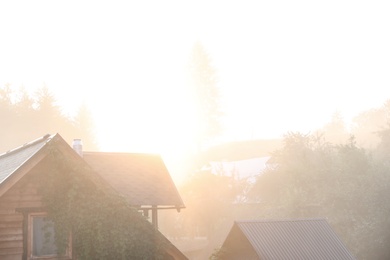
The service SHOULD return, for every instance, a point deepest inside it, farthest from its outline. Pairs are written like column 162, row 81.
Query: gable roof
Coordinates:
column 142, row 179
column 286, row 239
column 14, row 164
column 13, row 159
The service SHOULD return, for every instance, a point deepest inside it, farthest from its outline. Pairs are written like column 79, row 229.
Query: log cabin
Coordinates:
column 142, row 179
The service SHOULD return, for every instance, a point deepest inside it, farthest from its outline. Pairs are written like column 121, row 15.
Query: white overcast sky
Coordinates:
column 282, row 65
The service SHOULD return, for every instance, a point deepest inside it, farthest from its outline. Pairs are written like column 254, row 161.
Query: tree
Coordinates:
column 368, row 123
column 313, row 178
column 7, row 114
column 206, row 94
column 49, row 113
column 208, row 198
column 335, row 131
column 25, row 117
column 85, row 127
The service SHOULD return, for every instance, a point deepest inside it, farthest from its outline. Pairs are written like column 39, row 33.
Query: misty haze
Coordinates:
column 204, row 130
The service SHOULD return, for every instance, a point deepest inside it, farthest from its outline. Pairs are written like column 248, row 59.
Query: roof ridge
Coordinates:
column 278, row 220
column 127, row 153
column 40, row 139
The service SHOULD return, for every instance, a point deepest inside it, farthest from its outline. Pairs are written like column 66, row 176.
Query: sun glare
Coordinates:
column 277, row 71
column 146, row 119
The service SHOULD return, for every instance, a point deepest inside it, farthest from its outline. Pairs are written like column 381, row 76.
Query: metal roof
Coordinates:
column 142, row 179
column 145, row 174
column 291, row 239
column 13, row 159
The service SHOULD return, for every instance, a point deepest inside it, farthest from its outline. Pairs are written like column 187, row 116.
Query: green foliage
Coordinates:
column 312, row 178
column 102, row 224
column 218, row 254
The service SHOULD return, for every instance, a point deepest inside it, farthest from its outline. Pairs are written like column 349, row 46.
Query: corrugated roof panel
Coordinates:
column 294, row 239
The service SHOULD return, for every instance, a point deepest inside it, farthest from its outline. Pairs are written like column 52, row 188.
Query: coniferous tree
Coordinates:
column 26, row 117
column 84, row 125
column 206, row 96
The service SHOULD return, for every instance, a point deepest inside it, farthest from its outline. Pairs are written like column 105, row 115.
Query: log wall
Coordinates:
column 21, row 195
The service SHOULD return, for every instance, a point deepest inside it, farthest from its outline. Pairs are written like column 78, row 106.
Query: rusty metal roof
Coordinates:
column 142, row 179
column 286, row 239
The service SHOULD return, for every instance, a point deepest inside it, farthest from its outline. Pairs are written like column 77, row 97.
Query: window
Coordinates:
column 41, row 243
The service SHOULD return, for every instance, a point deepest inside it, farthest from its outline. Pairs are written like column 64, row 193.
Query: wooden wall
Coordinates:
column 22, row 195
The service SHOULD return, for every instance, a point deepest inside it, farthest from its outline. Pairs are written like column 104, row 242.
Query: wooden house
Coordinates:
column 142, row 179
column 282, row 240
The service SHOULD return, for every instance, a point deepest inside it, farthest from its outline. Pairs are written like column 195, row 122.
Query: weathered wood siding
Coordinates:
column 22, row 195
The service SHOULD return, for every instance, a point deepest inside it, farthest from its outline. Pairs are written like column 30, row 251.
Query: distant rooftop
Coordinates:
column 285, row 239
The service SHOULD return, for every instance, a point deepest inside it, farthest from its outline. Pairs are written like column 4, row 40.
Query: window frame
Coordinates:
column 68, row 252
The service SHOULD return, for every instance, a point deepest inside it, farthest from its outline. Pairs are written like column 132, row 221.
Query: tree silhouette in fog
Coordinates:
column 336, row 130
column 25, row 117
column 206, row 96
column 367, row 124
column 84, row 125
column 310, row 177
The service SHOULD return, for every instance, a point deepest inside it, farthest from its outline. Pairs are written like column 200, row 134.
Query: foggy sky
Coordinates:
column 281, row 66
